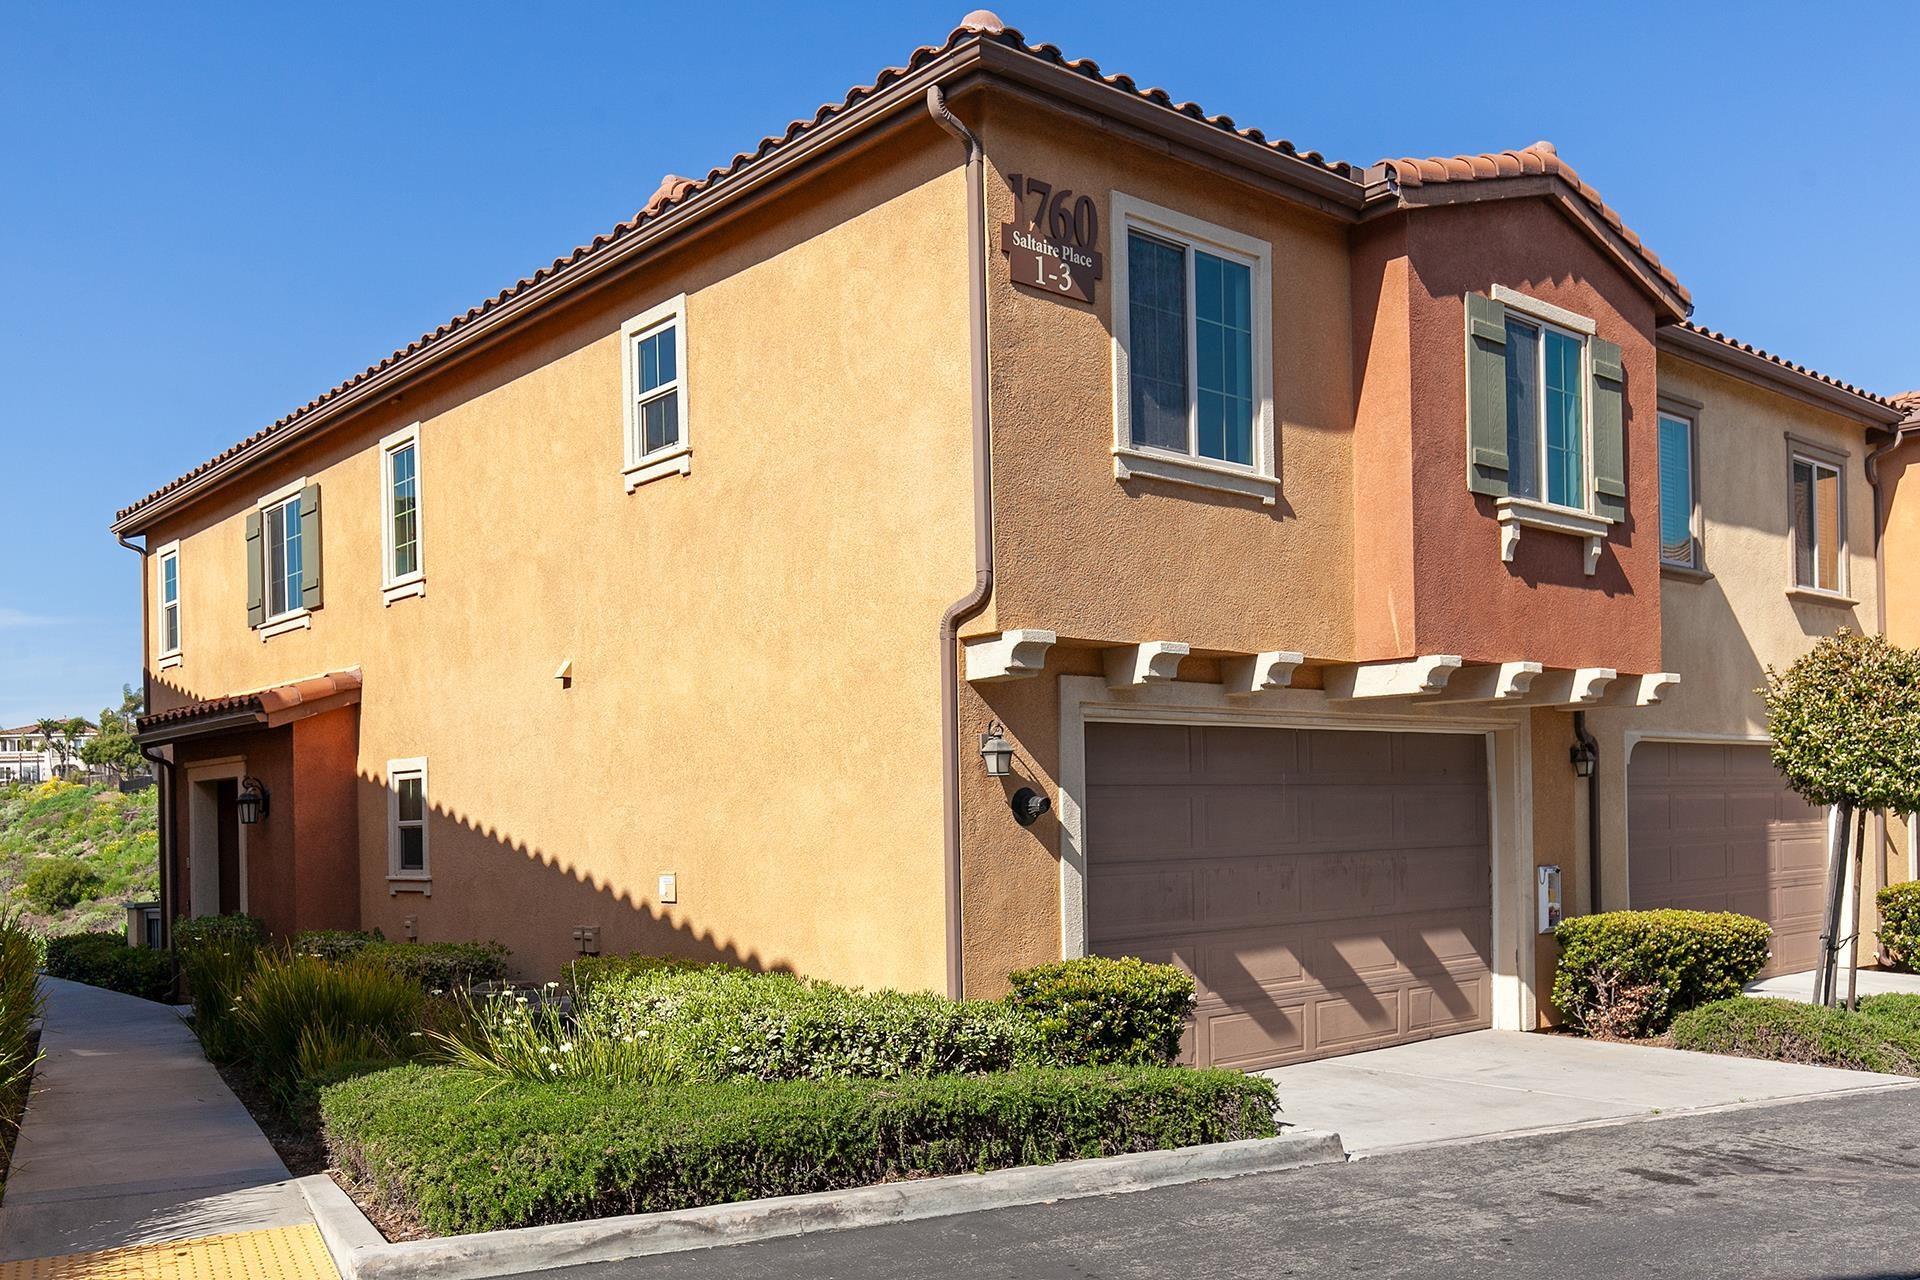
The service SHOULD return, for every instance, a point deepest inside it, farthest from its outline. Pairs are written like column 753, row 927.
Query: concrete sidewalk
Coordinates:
column 1799, row 986
column 131, row 1137
column 1489, row 1084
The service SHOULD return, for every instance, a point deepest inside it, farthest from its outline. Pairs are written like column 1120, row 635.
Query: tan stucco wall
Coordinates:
column 755, row 702
column 1720, row 634
column 1900, row 565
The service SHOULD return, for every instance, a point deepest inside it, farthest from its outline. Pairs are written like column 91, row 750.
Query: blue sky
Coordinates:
column 209, row 214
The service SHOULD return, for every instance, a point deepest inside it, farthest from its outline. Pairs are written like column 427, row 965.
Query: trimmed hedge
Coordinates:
column 720, row 1022
column 1900, row 924
column 1100, row 1010
column 1789, row 1031
column 1626, row 974
column 105, row 960
column 587, row 970
column 456, row 1153
column 1899, row 1011
column 440, row 966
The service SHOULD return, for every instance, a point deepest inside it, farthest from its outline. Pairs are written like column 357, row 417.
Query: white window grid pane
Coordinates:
column 656, row 381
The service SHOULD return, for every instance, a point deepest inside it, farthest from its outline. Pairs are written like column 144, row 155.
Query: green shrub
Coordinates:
column 299, row 1016
column 60, row 884
column 456, row 1154
column 1625, row 974
column 193, row 933
column 1100, row 1010
column 508, row 1037
column 587, row 970
column 20, row 1006
column 1789, row 1031
column 105, row 960
column 1899, row 1012
column 333, row 944
column 1900, row 923
column 439, row 966
column 717, row 1022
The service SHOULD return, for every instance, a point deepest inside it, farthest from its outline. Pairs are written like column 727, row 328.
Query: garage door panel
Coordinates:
column 1711, row 827
column 1337, row 885
column 1146, row 753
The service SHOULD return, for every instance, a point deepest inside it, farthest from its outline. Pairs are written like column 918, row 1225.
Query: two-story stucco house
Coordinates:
column 1012, row 514
column 28, row 755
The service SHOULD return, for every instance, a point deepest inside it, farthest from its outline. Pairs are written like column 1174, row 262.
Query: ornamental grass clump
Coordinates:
column 299, row 1017
column 514, row 1037
column 21, row 1001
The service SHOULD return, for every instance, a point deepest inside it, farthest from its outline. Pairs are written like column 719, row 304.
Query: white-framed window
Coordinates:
column 403, row 564
column 1679, row 490
column 1549, row 435
column 1817, row 498
column 281, row 552
column 653, row 363
column 407, row 856
column 168, row 557
column 1193, row 351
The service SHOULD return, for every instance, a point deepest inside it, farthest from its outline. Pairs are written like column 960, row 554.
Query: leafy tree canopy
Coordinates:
column 1845, row 722
column 113, row 746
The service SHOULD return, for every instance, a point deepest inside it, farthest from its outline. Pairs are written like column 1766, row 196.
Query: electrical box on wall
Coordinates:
column 586, row 938
column 1550, row 911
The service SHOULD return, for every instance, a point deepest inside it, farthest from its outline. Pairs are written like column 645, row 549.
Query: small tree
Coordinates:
column 1845, row 723
column 61, row 734
column 113, row 747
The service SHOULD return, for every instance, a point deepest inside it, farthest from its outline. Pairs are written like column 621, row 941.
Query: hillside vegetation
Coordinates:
column 71, row 853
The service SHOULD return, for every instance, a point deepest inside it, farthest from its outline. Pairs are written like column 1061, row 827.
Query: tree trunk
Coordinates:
column 1826, row 985
column 1853, row 936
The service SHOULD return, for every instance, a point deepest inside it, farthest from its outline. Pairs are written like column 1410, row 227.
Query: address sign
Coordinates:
column 1050, row 244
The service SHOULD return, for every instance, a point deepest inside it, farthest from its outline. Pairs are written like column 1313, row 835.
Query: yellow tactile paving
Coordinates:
column 278, row 1253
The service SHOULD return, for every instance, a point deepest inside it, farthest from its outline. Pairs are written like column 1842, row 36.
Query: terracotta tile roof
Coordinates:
column 1906, row 400
column 265, row 703
column 675, row 191
column 1539, row 159
column 35, row 729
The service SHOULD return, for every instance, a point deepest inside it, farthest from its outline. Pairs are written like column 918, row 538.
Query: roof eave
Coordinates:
column 1749, row 367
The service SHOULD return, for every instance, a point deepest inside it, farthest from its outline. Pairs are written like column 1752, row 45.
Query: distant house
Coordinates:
column 27, row 756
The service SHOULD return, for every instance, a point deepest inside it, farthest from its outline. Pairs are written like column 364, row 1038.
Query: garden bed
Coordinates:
column 1882, row 1036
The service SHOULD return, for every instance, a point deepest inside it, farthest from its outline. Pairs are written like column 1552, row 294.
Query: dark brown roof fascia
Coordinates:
column 569, row 284
column 1748, row 367
column 200, row 727
column 1199, row 141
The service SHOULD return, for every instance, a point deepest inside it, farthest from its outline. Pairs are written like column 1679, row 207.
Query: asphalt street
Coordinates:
column 1827, row 1188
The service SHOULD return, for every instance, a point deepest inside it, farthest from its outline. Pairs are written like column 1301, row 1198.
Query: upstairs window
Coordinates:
column 1819, row 525
column 1194, row 396
column 1679, row 503
column 1546, row 418
column 404, row 572
column 170, row 604
column 283, row 560
column 655, row 377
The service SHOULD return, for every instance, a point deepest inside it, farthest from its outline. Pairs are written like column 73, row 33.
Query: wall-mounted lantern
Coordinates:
column 996, row 751
column 1583, row 756
column 253, row 800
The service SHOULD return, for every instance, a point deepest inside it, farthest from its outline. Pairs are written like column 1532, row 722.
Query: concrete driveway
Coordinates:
column 1494, row 1084
column 1799, row 986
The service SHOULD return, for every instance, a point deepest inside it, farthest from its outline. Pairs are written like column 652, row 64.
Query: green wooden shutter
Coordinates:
column 1609, row 425
column 310, row 547
column 1486, row 395
column 256, row 572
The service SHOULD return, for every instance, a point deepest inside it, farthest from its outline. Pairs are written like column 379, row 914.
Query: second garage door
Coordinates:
column 1330, row 891
column 1711, row 827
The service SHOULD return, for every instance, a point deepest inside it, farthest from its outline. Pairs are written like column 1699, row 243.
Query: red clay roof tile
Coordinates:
column 264, row 702
column 1905, row 400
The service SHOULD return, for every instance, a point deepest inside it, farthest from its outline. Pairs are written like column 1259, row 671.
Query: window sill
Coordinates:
column 1813, row 595
column 1515, row 514
column 674, row 462
column 1128, row 463
column 397, row 591
column 167, row 661
column 411, row 883
column 280, row 626
column 1685, row 572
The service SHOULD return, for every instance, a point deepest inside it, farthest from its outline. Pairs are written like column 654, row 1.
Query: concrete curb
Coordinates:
column 362, row 1254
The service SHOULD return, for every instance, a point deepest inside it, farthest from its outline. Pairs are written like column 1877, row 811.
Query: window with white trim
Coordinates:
column 654, row 373
column 1679, row 496
column 280, row 534
column 407, row 820
column 403, row 571
column 170, row 601
column 1192, row 328
column 1546, row 412
column 1819, row 531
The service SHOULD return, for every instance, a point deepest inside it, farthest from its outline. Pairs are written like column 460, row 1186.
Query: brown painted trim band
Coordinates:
column 974, row 601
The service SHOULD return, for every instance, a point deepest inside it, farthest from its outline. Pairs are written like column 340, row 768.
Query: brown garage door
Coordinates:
column 1711, row 827
column 1329, row 891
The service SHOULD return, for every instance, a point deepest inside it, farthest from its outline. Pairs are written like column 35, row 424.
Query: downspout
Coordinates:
column 163, row 768
column 1593, row 812
column 969, row 605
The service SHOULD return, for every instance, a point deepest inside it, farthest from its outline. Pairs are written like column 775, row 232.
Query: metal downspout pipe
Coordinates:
column 969, row 605
column 163, row 771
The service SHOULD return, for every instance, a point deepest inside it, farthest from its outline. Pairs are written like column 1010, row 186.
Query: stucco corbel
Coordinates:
column 1640, row 691
column 1011, row 655
column 1494, row 682
column 1260, row 672
column 1428, row 673
column 1150, row 662
column 1568, row 687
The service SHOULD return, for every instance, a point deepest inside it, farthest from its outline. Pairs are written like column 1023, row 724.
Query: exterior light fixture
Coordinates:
column 1029, row 806
column 1583, row 756
column 996, row 751
column 253, row 801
